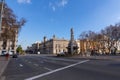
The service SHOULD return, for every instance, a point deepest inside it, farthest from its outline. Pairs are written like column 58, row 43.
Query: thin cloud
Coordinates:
column 24, row 1
column 118, row 18
column 57, row 4
column 53, row 8
column 62, row 3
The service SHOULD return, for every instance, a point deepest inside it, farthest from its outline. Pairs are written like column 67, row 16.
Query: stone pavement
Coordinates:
column 3, row 64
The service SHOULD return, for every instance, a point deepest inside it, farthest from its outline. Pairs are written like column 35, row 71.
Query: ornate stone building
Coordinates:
column 8, row 40
column 55, row 45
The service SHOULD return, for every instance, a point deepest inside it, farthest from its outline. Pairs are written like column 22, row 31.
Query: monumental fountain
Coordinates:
column 72, row 46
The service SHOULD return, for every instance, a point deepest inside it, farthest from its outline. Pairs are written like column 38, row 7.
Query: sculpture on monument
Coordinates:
column 72, row 46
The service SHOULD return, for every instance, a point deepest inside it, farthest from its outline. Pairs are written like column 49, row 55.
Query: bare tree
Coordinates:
column 10, row 25
column 112, row 33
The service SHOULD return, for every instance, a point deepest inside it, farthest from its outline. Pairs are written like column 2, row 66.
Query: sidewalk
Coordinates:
column 3, row 64
column 107, row 57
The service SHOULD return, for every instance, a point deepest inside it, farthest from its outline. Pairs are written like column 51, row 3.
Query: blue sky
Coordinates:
column 49, row 17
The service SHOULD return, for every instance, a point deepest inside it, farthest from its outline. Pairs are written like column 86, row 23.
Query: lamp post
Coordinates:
column 1, row 13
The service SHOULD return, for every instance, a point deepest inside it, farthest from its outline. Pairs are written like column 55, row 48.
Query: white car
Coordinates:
column 5, row 52
column 61, row 54
column 38, row 52
column 10, row 53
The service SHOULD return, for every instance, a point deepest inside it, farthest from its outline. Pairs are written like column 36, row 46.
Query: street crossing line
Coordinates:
column 56, row 70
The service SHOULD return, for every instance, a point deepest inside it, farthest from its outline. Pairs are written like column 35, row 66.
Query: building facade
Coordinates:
column 55, row 45
column 8, row 40
column 51, row 46
column 83, row 46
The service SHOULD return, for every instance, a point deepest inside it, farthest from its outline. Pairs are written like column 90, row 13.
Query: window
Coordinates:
column 56, row 50
column 56, row 46
column 59, row 50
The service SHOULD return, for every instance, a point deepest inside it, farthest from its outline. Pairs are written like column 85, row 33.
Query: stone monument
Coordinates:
column 72, row 46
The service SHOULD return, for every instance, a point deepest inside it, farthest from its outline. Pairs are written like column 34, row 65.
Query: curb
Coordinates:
column 99, row 58
column 3, row 69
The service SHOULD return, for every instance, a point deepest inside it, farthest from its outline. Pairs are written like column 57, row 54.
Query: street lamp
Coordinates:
column 1, row 13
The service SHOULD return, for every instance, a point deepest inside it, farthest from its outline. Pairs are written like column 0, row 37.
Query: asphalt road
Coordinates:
column 57, row 68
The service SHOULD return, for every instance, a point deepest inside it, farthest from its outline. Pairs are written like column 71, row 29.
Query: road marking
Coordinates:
column 36, row 64
column 62, row 59
column 20, row 65
column 26, row 60
column 48, row 69
column 41, row 62
column 56, row 70
column 29, row 62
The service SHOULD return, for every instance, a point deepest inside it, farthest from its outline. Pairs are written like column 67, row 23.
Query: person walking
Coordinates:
column 7, row 56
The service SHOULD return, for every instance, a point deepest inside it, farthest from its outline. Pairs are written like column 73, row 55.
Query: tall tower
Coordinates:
column 72, row 35
column 44, row 45
column 71, row 41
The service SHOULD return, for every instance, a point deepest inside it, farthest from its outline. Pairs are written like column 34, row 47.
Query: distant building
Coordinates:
column 84, row 46
column 52, row 46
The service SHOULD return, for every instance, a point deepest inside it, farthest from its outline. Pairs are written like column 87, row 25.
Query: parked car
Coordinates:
column 10, row 53
column 3, row 53
column 61, row 54
column 38, row 52
column 14, row 56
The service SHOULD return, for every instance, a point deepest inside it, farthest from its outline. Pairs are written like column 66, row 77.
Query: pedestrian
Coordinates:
column 115, row 50
column 7, row 56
